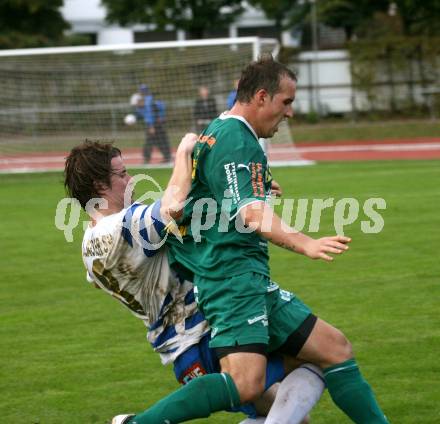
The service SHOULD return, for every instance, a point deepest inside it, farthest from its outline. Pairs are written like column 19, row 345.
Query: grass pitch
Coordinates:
column 72, row 355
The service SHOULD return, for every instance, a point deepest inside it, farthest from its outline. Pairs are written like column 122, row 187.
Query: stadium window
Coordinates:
column 258, row 31
column 156, row 35
column 211, row 33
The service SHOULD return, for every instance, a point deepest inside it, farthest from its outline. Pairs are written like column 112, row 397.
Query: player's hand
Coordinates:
column 275, row 189
column 320, row 248
column 188, row 143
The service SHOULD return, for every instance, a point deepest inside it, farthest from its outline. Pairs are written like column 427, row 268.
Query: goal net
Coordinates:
column 54, row 98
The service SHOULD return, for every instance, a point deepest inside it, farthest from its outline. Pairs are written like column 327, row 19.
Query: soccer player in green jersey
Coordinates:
column 125, row 235
column 227, row 225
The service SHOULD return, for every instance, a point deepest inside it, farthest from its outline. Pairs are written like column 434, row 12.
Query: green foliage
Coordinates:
column 312, row 117
column 360, row 19
column 392, row 57
column 278, row 10
column 76, row 40
column 274, row 9
column 349, row 14
column 193, row 16
column 287, row 14
column 73, row 355
column 288, row 55
column 369, row 18
column 419, row 18
column 36, row 23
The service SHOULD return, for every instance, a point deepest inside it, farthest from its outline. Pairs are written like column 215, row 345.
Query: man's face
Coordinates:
column 277, row 108
column 204, row 92
column 119, row 181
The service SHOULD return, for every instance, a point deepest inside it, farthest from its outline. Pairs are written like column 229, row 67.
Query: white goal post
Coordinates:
column 54, row 98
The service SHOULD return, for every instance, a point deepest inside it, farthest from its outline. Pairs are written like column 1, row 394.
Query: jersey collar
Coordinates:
column 226, row 115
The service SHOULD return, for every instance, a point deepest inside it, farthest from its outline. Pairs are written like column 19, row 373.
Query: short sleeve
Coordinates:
column 143, row 224
column 238, row 174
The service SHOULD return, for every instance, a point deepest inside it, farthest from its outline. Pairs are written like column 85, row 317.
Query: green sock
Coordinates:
column 352, row 394
column 197, row 399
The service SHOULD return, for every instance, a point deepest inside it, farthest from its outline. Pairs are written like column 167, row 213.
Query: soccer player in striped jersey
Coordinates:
column 122, row 247
column 124, row 255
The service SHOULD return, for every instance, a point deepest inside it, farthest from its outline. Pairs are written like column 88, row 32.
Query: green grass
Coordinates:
column 359, row 131
column 71, row 354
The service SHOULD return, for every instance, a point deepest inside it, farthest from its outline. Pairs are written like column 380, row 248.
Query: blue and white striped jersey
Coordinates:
column 125, row 256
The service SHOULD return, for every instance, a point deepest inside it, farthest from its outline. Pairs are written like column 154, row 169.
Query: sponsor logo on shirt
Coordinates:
column 208, row 139
column 262, row 318
column 242, row 165
column 257, row 179
column 286, row 296
column 272, row 286
column 231, row 178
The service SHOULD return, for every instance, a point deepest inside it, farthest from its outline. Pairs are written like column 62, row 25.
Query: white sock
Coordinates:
column 297, row 394
column 258, row 420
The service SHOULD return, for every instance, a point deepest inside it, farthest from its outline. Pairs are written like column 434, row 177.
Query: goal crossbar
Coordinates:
column 53, row 98
column 255, row 41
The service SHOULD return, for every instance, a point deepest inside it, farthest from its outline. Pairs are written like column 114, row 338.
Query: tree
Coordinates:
column 281, row 11
column 352, row 15
column 193, row 16
column 33, row 23
column 419, row 18
column 365, row 17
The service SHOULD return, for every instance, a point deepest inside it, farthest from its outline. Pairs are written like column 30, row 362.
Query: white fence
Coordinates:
column 325, row 86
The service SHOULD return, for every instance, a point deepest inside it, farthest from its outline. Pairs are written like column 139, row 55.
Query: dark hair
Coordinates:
column 264, row 73
column 87, row 168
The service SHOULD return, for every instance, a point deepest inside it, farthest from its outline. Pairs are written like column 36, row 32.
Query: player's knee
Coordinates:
column 249, row 394
column 347, row 350
column 249, row 387
column 248, row 370
column 342, row 349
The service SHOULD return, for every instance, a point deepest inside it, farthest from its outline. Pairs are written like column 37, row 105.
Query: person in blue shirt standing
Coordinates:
column 152, row 111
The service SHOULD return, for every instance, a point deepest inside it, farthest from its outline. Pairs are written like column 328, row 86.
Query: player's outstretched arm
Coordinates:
column 180, row 181
column 275, row 189
column 261, row 217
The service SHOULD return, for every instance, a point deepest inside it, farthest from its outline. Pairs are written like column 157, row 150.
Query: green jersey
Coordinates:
column 230, row 172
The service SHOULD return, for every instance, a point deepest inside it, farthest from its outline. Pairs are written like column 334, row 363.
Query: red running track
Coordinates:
column 421, row 148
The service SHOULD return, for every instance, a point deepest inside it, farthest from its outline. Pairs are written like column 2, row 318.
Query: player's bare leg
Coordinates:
column 250, row 379
column 328, row 348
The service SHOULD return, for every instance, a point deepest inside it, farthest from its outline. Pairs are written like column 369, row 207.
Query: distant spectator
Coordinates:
column 205, row 109
column 137, row 100
column 232, row 96
column 152, row 112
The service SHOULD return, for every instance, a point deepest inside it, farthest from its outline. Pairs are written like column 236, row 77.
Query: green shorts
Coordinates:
column 248, row 308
